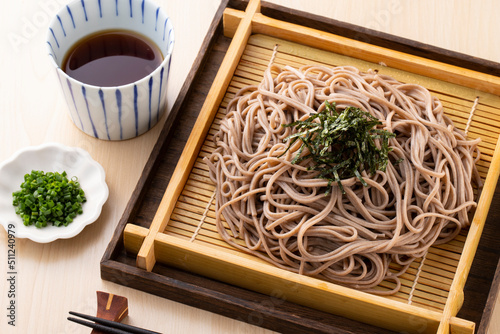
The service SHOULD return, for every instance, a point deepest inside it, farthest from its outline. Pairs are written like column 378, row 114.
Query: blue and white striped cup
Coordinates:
column 121, row 112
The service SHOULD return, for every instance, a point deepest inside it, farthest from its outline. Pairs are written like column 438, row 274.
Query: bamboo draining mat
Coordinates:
column 194, row 214
column 193, row 217
column 190, row 241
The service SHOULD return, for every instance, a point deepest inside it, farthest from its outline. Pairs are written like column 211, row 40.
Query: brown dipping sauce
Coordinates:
column 112, row 58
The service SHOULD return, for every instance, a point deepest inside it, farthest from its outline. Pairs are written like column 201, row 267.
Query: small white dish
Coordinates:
column 52, row 157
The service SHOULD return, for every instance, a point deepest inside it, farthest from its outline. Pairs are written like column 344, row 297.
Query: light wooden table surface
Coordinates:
column 64, row 275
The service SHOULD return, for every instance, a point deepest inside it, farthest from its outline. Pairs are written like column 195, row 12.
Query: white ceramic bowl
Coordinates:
column 120, row 112
column 52, row 157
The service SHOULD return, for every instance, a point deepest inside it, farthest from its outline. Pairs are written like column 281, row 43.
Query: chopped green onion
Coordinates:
column 48, row 198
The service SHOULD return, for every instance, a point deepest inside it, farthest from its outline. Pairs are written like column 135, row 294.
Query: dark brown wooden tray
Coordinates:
column 248, row 306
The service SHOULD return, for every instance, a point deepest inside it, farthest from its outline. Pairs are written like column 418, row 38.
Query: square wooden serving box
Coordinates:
column 166, row 242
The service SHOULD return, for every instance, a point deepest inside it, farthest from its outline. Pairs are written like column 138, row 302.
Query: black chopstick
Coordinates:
column 101, row 328
column 108, row 326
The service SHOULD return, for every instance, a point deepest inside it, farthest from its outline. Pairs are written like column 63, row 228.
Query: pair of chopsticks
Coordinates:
column 107, row 326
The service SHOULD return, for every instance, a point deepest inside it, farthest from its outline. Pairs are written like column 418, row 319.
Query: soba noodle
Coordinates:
column 281, row 212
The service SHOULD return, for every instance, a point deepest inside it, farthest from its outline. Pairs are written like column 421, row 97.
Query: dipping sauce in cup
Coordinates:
column 112, row 59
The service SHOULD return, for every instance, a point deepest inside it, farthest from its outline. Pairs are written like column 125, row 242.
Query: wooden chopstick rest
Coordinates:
column 110, row 307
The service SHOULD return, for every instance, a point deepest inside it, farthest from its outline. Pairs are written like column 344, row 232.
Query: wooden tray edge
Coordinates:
column 484, row 325
column 252, row 308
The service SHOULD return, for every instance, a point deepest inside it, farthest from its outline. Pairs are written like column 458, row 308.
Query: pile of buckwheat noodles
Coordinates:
column 279, row 211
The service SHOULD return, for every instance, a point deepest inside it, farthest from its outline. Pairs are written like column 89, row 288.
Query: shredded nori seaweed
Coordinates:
column 342, row 144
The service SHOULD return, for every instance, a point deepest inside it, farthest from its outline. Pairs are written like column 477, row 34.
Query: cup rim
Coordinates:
column 166, row 57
